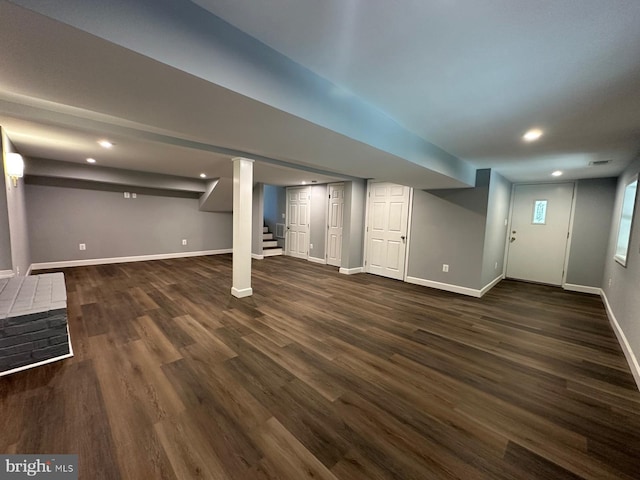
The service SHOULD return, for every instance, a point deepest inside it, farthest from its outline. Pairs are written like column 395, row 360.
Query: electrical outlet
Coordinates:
column 127, row 195
column 505, row 222
column 184, row 241
column 82, row 246
column 133, row 195
column 495, row 267
column 609, row 282
column 283, row 215
column 311, row 246
column 445, row 267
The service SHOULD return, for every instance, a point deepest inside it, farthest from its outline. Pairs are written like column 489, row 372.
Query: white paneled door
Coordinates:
column 388, row 218
column 334, row 224
column 298, row 222
column 539, row 232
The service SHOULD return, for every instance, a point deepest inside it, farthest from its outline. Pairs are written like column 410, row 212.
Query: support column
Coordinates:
column 242, row 219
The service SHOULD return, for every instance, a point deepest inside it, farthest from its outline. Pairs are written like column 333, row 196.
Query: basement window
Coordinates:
column 626, row 221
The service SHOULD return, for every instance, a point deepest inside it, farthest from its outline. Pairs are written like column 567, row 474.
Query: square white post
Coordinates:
column 242, row 219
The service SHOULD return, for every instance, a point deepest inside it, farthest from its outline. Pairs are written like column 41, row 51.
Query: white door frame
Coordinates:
column 326, row 216
column 567, row 251
column 366, row 229
column 286, row 219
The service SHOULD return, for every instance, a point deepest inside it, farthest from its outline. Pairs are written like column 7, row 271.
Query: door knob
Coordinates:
column 403, row 237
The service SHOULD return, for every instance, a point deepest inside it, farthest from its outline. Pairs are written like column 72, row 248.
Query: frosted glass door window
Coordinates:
column 539, row 212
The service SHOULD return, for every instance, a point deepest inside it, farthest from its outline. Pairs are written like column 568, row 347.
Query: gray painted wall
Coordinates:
column 318, row 221
column 17, row 214
column 275, row 206
column 5, row 239
column 448, row 227
column 496, row 228
column 112, row 226
column 355, row 201
column 622, row 294
column 595, row 200
column 257, row 212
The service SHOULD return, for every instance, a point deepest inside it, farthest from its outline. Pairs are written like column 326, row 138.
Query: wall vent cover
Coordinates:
column 599, row 162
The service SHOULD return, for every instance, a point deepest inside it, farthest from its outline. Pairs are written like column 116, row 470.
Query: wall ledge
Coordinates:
column 139, row 258
column 632, row 360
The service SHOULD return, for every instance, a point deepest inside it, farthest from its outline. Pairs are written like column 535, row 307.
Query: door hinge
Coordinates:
column 367, row 229
column 365, row 263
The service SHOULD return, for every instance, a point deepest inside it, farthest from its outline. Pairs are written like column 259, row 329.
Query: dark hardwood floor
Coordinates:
column 325, row 376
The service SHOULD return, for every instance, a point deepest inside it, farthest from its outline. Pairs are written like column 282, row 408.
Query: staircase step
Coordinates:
column 265, row 229
column 269, row 243
column 267, row 236
column 270, row 252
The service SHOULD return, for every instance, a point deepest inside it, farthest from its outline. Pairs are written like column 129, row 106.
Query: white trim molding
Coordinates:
column 257, row 256
column 471, row 292
column 491, row 284
column 632, row 360
column 241, row 292
column 582, row 289
column 321, row 261
column 139, row 258
column 351, row 271
column 6, row 274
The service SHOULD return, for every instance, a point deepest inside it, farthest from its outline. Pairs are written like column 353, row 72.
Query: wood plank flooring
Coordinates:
column 325, row 376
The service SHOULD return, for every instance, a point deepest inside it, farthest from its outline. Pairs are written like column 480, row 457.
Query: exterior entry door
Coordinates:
column 334, row 224
column 539, row 232
column 388, row 218
column 297, row 239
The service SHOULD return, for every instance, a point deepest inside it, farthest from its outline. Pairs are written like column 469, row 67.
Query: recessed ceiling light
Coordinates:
column 105, row 143
column 532, row 135
column 203, row 175
column 91, row 160
column 557, row 173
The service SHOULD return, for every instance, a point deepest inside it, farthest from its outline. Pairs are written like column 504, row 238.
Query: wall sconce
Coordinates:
column 15, row 167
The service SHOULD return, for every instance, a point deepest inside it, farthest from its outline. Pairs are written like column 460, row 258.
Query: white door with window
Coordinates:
column 297, row 239
column 540, row 222
column 387, row 224
column 334, row 224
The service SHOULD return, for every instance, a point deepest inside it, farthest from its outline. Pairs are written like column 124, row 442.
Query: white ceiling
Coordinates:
column 471, row 76
column 467, row 75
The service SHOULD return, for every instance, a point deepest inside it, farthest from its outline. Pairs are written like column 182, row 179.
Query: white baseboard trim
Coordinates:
column 44, row 362
column 622, row 339
column 256, row 256
column 351, row 271
column 472, row 292
column 139, row 258
column 321, row 261
column 6, row 274
column 582, row 289
column 491, row 284
column 241, row 292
